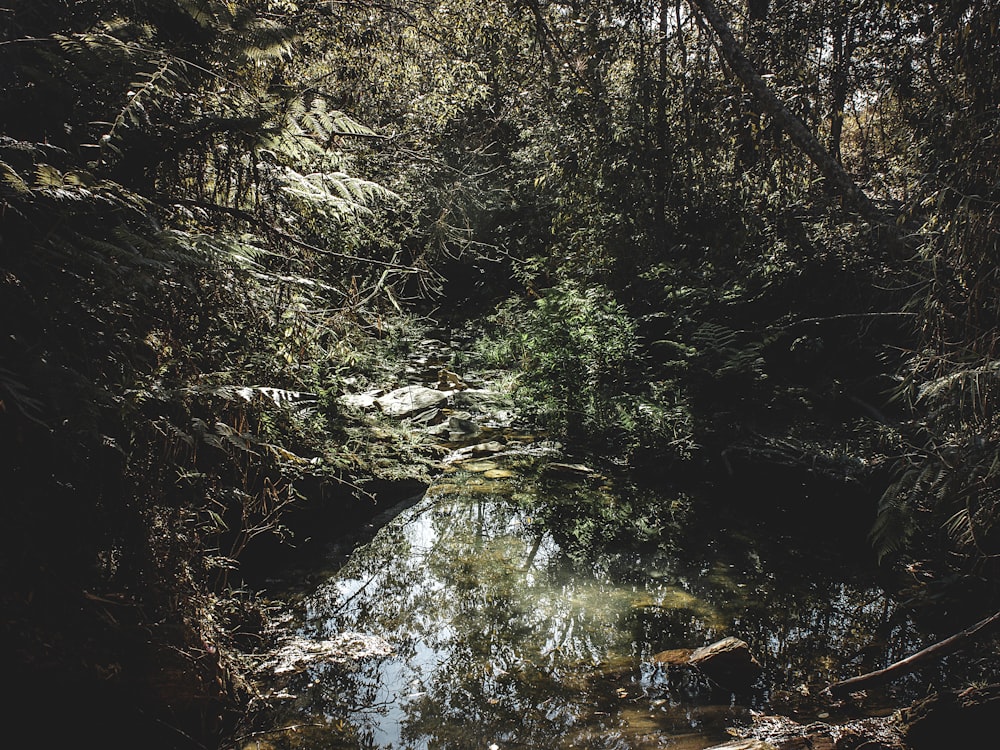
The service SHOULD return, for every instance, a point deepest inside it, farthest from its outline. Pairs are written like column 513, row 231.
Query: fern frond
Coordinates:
column 243, row 441
column 959, row 528
column 267, row 40
column 279, row 396
column 338, row 195
column 712, row 336
column 162, row 82
column 205, row 12
column 893, row 522
column 726, row 346
column 10, row 177
column 969, row 392
column 326, row 124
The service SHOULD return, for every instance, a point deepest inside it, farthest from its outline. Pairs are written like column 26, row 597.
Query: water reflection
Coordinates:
column 500, row 637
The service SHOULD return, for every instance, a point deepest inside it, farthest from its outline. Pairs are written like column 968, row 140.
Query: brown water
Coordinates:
column 468, row 622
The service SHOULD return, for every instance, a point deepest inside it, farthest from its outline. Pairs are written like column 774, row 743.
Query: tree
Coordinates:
column 837, row 178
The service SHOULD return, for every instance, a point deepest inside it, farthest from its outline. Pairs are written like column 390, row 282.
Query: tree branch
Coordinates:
column 910, row 663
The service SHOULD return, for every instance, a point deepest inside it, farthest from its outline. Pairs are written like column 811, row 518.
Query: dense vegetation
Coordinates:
column 216, row 217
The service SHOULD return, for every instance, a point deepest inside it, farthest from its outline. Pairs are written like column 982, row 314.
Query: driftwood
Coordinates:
column 910, row 663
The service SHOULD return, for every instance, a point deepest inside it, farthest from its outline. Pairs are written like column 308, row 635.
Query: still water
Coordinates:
column 477, row 619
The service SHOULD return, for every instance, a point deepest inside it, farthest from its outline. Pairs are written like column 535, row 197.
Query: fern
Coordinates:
column 728, row 351
column 966, row 393
column 10, row 177
column 260, row 39
column 895, row 515
column 337, row 196
column 325, row 125
column 150, row 86
column 208, row 13
column 267, row 40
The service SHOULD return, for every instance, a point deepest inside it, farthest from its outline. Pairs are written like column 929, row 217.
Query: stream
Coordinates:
column 519, row 603
column 465, row 623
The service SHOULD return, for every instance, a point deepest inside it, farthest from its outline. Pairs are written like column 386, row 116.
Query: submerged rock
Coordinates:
column 674, row 657
column 569, row 470
column 728, row 663
column 479, row 449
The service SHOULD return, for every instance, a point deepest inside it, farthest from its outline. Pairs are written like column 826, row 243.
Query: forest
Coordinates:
column 737, row 243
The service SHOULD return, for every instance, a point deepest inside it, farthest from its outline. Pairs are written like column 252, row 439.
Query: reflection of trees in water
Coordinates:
column 501, row 636
column 484, row 618
column 809, row 615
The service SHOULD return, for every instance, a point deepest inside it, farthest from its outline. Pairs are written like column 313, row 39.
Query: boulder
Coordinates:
column 364, row 400
column 477, row 398
column 727, row 663
column 410, row 400
column 477, row 451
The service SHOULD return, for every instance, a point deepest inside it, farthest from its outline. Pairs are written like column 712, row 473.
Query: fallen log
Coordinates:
column 910, row 663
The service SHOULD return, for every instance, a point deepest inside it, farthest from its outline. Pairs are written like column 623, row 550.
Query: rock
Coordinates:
column 459, row 427
column 674, row 657
column 479, row 449
column 476, row 398
column 429, row 417
column 498, row 473
column 728, row 663
column 478, row 466
column 450, row 381
column 574, row 470
column 410, row 400
column 364, row 400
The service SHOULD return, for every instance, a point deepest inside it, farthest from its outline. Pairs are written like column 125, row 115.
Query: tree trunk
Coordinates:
column 843, row 49
column 837, row 179
column 663, row 146
column 748, row 149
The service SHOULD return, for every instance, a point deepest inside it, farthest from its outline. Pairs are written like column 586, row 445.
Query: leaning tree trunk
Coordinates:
column 836, row 178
